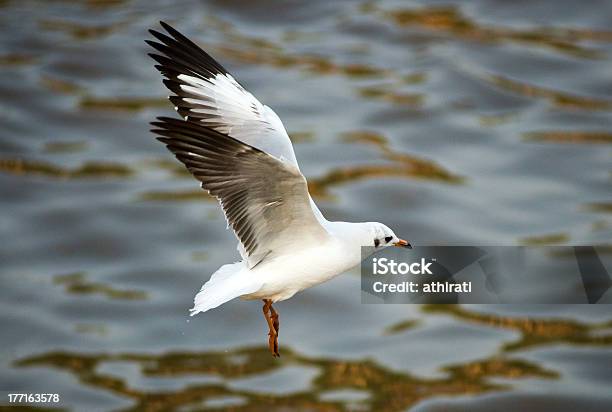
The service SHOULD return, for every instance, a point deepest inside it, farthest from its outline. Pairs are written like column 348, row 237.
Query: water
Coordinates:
column 455, row 122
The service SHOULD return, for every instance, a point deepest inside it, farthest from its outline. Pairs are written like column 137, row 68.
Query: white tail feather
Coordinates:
column 227, row 283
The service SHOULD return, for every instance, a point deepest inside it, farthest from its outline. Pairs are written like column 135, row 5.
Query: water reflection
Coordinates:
column 77, row 283
column 176, row 195
column 65, row 147
column 479, row 93
column 316, row 64
column 543, row 240
column 248, row 49
column 533, row 332
column 92, row 169
column 122, row 104
column 452, row 22
column 78, row 30
column 558, row 98
column 389, row 95
column 605, row 207
column 563, row 136
column 385, row 390
column 403, row 165
column 16, row 59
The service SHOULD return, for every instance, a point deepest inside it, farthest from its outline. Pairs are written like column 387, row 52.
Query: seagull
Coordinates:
column 240, row 152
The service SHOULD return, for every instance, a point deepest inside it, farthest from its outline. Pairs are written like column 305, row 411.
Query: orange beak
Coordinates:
column 403, row 243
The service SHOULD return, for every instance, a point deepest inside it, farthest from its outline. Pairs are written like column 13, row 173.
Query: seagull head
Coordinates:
column 382, row 236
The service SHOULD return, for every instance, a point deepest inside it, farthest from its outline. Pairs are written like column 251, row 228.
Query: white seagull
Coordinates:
column 240, row 152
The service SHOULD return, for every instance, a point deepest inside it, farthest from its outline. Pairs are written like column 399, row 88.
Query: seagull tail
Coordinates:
column 228, row 282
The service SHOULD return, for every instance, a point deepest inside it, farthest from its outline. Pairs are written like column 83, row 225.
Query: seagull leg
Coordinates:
column 273, row 336
column 276, row 324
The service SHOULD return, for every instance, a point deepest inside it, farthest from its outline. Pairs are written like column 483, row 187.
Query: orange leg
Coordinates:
column 272, row 318
column 276, row 324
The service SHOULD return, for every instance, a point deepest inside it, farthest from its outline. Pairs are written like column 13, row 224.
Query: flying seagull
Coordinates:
column 240, row 152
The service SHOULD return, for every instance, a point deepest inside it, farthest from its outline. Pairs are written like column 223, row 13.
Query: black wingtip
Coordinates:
column 151, row 43
column 165, row 25
column 159, row 123
column 158, row 58
column 155, row 57
column 166, row 119
column 183, row 51
column 171, row 30
column 159, row 36
column 171, row 85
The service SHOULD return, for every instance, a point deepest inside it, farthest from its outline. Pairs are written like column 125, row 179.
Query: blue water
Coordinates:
column 483, row 122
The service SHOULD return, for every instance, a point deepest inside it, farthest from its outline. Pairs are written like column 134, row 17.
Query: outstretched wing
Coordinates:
column 265, row 199
column 206, row 93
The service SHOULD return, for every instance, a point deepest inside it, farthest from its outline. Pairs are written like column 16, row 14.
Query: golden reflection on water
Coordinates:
column 543, row 240
column 402, row 326
column 534, row 332
column 450, row 21
column 60, row 86
column 65, row 146
column 77, row 283
column 97, row 169
column 80, row 31
column 167, row 164
column 122, row 103
column 313, row 63
column 562, row 136
column 403, row 165
column 495, row 119
column 176, row 195
column 605, row 207
column 247, row 49
column 301, row 137
column 388, row 390
column 16, row 59
column 558, row 98
column 389, row 95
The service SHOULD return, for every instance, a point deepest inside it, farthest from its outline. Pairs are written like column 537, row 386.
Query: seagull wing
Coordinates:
column 205, row 92
column 265, row 199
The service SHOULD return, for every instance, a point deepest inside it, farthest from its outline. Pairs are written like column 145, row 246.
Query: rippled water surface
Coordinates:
column 474, row 122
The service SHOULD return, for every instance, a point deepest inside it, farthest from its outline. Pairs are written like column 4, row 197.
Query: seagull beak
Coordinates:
column 403, row 243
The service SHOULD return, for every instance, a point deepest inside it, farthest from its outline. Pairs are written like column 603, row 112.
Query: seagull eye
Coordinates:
column 376, row 242
column 388, row 239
